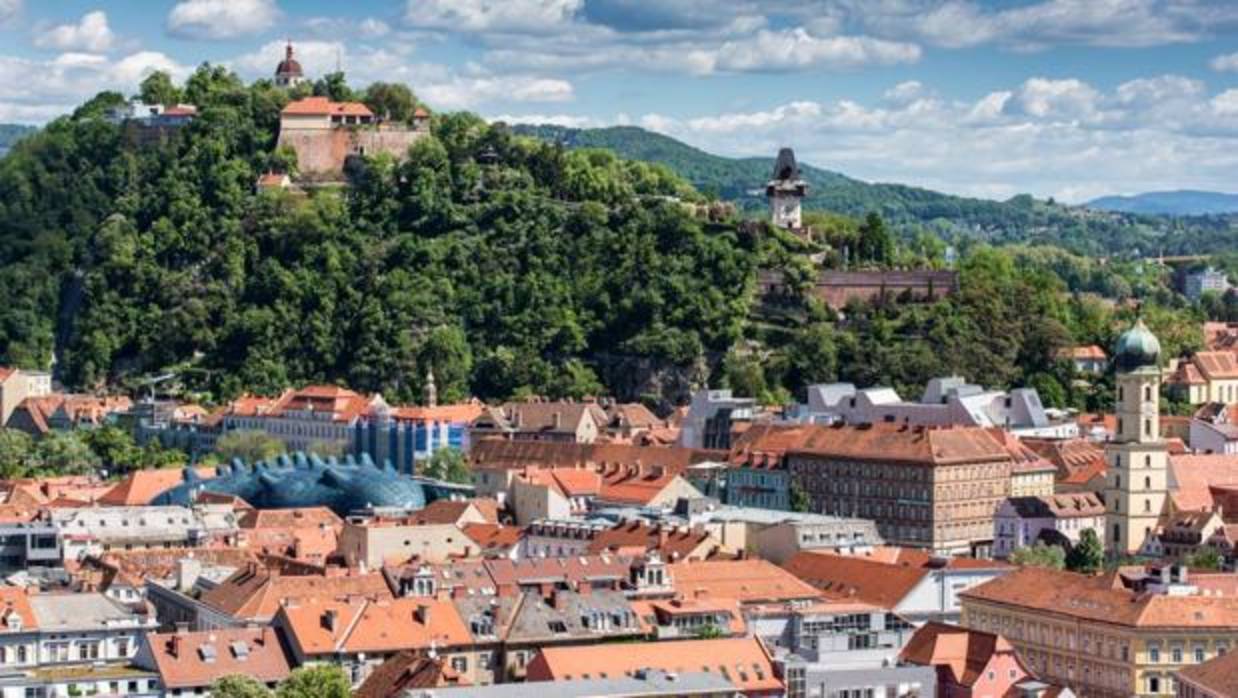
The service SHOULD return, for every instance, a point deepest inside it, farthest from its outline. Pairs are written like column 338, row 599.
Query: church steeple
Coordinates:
column 288, row 73
column 1136, row 487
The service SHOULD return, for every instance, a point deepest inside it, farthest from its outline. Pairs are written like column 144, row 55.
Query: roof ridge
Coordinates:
column 352, row 626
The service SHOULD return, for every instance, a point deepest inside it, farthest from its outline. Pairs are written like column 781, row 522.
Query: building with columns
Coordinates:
column 1136, row 487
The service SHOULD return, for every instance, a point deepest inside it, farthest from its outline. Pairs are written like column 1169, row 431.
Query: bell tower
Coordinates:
column 1136, row 485
column 786, row 192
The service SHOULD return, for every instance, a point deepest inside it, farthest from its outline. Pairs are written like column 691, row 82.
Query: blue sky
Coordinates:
column 1063, row 98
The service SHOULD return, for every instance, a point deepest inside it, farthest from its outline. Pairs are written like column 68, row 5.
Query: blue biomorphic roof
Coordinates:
column 300, row 480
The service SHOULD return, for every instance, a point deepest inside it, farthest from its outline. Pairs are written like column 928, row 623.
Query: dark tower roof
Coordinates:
column 288, row 67
column 785, row 167
column 1137, row 347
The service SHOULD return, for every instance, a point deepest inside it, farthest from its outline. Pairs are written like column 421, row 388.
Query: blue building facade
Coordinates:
column 765, row 488
column 405, row 442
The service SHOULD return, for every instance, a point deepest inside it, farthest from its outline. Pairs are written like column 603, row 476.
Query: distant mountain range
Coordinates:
column 1170, row 203
column 1018, row 219
column 10, row 134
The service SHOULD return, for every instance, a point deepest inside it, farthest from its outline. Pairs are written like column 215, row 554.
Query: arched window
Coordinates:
column 1147, row 505
column 1147, row 483
column 1147, row 393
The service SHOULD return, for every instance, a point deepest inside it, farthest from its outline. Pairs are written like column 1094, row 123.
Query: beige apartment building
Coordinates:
column 925, row 487
column 1115, row 635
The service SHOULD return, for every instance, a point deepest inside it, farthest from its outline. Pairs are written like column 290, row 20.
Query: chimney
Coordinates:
column 558, row 421
column 188, row 569
column 423, row 614
column 174, row 645
column 330, row 618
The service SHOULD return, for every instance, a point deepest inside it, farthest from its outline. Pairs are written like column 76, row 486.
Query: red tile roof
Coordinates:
column 140, row 487
column 749, row 581
column 374, row 627
column 1102, row 599
column 322, row 106
column 1218, row 677
column 961, row 652
column 1217, row 365
column 198, row 659
column 1090, row 351
column 744, row 662
column 1196, row 476
column 257, row 593
column 402, row 674
column 901, row 443
column 638, row 537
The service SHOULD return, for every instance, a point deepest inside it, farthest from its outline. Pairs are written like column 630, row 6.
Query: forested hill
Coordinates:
column 1020, row 219
column 10, row 134
column 1170, row 203
column 543, row 273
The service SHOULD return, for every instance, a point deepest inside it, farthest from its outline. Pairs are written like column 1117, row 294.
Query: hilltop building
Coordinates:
column 1205, row 281
column 325, row 134
column 1136, row 488
column 288, row 73
column 786, row 191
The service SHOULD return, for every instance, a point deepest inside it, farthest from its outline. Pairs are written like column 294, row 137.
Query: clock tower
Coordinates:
column 1136, row 485
column 785, row 192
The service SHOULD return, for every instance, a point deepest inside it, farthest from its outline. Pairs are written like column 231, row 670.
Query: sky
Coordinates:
column 1070, row 99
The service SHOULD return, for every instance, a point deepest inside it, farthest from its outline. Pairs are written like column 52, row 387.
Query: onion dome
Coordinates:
column 289, row 67
column 1137, row 347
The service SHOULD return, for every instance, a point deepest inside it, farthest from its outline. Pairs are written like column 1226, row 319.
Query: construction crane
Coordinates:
column 156, row 380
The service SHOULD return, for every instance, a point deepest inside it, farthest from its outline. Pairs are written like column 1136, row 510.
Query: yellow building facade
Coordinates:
column 1100, row 638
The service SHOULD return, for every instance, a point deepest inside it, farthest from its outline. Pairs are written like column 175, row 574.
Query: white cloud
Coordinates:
column 9, row 9
column 1227, row 63
column 71, row 78
column 373, row 28
column 465, row 92
column 91, row 33
column 533, row 16
column 904, row 92
column 1043, row 23
column 441, row 86
column 567, row 120
column 1062, row 138
column 221, row 19
column 796, row 49
column 1069, row 99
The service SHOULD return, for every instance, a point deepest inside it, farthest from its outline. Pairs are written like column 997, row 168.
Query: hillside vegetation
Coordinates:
column 558, row 272
column 1021, row 219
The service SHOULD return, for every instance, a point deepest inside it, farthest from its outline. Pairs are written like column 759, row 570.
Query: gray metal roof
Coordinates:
column 652, row 683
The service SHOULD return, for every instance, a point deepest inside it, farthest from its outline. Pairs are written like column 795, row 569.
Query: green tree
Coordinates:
column 114, row 447
column 1207, row 559
column 394, row 101
column 248, row 445
column 1040, row 555
column 1088, row 555
column 447, row 464
column 155, row 455
column 158, row 88
column 875, row 243
column 323, row 681
column 66, row 453
column 335, row 87
column 800, row 501
column 239, row 686
column 447, row 353
column 18, row 455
